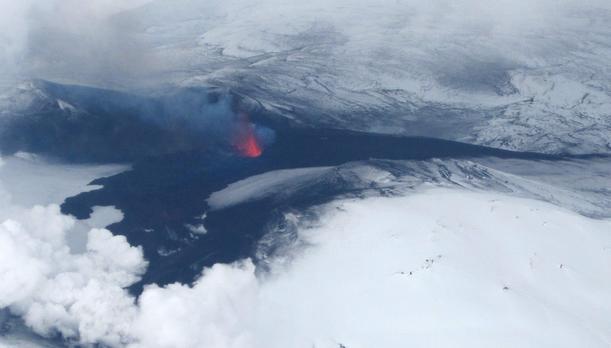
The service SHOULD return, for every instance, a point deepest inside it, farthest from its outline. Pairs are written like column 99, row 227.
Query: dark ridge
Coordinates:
column 99, row 125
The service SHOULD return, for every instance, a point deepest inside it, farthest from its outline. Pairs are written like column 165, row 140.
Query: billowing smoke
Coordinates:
column 54, row 284
column 81, row 296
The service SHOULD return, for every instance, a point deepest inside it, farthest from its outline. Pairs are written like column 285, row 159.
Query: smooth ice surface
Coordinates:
column 260, row 186
column 31, row 180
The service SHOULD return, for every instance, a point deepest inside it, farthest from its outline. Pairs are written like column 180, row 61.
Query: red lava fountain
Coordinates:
column 245, row 140
column 248, row 146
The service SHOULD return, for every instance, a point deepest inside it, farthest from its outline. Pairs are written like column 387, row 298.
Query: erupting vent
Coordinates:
column 245, row 139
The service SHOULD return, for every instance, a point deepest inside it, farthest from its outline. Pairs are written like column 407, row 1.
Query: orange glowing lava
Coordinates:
column 245, row 141
column 249, row 146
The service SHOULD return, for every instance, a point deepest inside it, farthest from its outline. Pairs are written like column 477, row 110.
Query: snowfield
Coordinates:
column 445, row 263
column 443, row 268
column 527, row 76
column 521, row 75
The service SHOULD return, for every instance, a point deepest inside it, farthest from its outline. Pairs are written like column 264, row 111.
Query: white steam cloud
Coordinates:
column 44, row 278
column 217, row 311
column 78, row 295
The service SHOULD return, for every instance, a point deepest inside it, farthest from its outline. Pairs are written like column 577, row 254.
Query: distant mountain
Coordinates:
column 90, row 124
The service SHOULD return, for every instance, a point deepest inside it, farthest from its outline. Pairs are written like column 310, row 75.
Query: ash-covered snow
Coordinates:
column 520, row 75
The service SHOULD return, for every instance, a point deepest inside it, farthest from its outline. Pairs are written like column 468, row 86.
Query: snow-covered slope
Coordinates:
column 517, row 75
column 443, row 268
column 578, row 185
column 440, row 268
column 264, row 185
column 457, row 253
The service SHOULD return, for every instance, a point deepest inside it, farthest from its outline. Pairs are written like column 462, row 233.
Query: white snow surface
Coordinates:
column 263, row 185
column 442, row 267
column 29, row 180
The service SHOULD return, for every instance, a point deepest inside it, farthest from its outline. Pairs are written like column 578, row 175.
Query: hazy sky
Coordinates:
column 82, row 41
